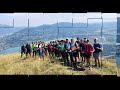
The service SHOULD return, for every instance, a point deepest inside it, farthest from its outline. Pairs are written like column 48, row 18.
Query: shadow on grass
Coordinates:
column 77, row 69
column 69, row 67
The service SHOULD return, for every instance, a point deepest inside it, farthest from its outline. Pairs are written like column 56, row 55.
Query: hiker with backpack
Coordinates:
column 23, row 50
column 97, row 49
column 29, row 49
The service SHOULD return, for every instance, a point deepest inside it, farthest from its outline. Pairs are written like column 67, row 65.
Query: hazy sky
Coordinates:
column 36, row 19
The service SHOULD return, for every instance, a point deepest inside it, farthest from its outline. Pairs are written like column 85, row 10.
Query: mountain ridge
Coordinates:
column 49, row 32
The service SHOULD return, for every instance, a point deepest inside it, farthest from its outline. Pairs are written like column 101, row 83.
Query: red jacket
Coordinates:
column 51, row 48
column 89, row 49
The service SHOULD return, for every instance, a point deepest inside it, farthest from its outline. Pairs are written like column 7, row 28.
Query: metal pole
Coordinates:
column 58, row 34
column 28, row 29
column 73, row 61
column 58, row 30
column 43, row 33
column 13, row 23
column 101, row 40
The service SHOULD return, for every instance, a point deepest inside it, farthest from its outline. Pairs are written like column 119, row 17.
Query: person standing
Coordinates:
column 23, row 50
column 78, row 42
column 74, row 54
column 89, row 51
column 97, row 49
column 34, row 47
column 29, row 49
column 67, row 52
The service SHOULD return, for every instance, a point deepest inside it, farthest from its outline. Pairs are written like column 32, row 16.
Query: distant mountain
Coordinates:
column 3, row 25
column 50, row 32
column 6, row 30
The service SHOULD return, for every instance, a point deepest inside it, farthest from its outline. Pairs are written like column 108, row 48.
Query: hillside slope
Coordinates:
column 12, row 64
column 50, row 32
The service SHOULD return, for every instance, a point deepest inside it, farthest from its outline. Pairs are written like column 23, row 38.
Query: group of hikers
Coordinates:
column 37, row 48
column 69, row 51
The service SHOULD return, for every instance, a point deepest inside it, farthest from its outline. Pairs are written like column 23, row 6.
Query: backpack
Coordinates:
column 23, row 48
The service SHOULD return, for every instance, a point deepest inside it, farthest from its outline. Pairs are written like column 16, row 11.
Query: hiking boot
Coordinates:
column 68, row 64
column 64, row 63
column 75, row 67
column 95, row 65
column 78, row 63
column 90, row 68
column 86, row 65
column 71, row 65
column 99, row 66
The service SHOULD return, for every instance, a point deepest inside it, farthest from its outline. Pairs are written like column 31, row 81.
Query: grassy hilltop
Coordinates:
column 12, row 64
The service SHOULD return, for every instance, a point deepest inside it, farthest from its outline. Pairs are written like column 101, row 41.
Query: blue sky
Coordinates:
column 36, row 19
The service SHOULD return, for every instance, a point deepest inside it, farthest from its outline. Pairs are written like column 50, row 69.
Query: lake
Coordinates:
column 10, row 50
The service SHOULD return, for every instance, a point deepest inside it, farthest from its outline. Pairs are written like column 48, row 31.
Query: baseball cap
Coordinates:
column 85, row 39
column 96, row 39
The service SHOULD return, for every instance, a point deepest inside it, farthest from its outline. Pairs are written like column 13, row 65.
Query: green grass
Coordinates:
column 12, row 64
